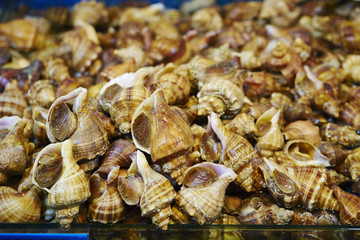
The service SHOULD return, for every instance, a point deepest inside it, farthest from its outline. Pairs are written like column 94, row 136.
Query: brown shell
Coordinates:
column 165, row 50
column 105, row 204
column 243, row 124
column 92, row 12
column 339, row 134
column 240, row 11
column 56, row 70
column 349, row 114
column 89, row 136
column 24, row 36
column 124, row 105
column 352, row 164
column 14, row 152
column 118, row 154
column 281, row 13
column 131, row 185
column 19, row 207
column 204, row 202
column 85, row 53
column 255, row 210
column 351, row 68
column 350, row 35
column 238, row 34
column 221, row 96
column 349, row 206
column 158, row 194
column 41, row 93
column 175, row 86
column 71, row 188
column 12, row 101
column 303, row 130
column 207, row 19
column 334, row 152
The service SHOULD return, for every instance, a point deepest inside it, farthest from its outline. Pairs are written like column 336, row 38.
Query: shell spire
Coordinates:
column 204, row 200
column 70, row 189
column 158, row 194
column 349, row 206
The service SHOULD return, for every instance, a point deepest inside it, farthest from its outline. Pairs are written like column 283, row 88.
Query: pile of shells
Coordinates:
column 243, row 114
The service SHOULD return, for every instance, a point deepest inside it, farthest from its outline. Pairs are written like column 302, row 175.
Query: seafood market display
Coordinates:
column 247, row 113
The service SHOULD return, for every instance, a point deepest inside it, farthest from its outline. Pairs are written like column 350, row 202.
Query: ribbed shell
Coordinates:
column 304, row 130
column 92, row 12
column 19, row 207
column 72, row 187
column 41, row 93
column 118, row 154
column 56, row 69
column 124, row 105
column 204, row 203
column 158, row 194
column 352, row 68
column 12, row 101
column 341, row 134
column 352, row 164
column 221, row 96
column 105, row 204
column 349, row 206
column 90, row 137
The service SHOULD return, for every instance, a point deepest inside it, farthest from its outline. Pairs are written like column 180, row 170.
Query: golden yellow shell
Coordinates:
column 12, row 101
column 19, row 207
column 41, row 93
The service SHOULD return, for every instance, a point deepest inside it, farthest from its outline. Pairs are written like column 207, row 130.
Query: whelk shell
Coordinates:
column 12, row 100
column 19, row 207
column 70, row 189
column 158, row 194
column 204, row 201
column 303, row 130
column 349, row 206
column 105, row 204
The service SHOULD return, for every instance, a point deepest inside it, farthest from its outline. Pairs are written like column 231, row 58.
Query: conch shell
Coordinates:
column 71, row 186
column 220, row 96
column 158, row 194
column 298, row 185
column 236, row 153
column 157, row 130
column 14, row 151
column 203, row 191
column 269, row 133
column 349, row 206
column 12, row 101
column 70, row 117
column 105, row 204
column 19, row 207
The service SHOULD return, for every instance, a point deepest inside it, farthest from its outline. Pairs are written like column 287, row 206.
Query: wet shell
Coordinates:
column 221, row 96
column 19, row 207
column 352, row 68
column 14, row 150
column 87, row 133
column 207, row 19
column 269, row 133
column 91, row 12
column 175, row 86
column 210, row 147
column 178, row 216
column 303, row 130
column 85, row 53
column 293, row 185
column 285, row 60
column 349, row 114
column 241, row 11
column 238, row 34
column 114, row 71
column 124, row 105
column 165, row 50
column 56, row 70
column 236, row 153
column 39, row 116
column 24, row 36
column 41, row 93
column 131, row 185
column 105, row 204
column 243, row 124
column 350, row 35
column 118, row 154
column 12, row 101
column 334, row 152
column 352, row 164
column 257, row 211
column 339, row 134
column 282, row 13
column 349, row 206
column 204, row 202
column 304, row 153
column 71, row 188
column 157, row 196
